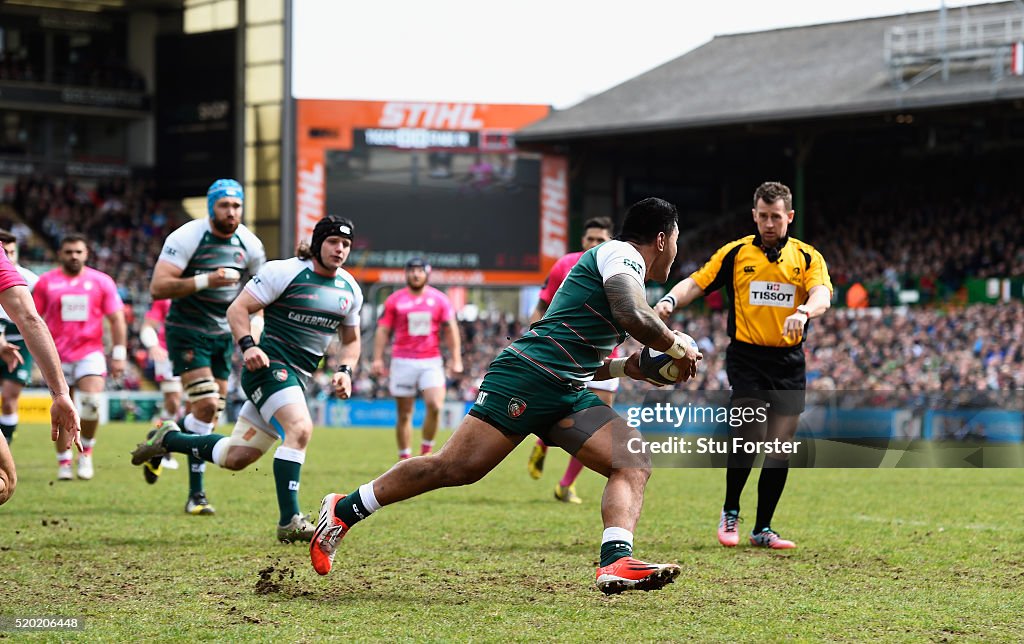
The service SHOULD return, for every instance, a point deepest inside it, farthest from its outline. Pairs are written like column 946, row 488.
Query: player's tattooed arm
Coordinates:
column 630, row 309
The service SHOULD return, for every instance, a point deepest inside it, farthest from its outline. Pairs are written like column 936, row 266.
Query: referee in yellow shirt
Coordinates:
column 775, row 285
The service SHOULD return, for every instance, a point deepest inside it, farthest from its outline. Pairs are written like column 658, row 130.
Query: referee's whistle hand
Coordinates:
column 663, row 309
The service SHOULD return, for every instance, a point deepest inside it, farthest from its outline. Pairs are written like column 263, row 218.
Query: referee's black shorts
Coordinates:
column 776, row 375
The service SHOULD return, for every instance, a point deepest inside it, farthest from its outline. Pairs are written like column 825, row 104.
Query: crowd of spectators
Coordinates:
column 909, row 351
column 917, row 350
column 893, row 241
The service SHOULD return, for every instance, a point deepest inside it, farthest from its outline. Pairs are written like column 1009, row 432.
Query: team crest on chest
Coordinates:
column 344, row 301
column 516, row 407
column 280, row 375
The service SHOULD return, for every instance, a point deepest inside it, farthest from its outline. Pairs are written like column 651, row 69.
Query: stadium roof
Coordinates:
column 833, row 69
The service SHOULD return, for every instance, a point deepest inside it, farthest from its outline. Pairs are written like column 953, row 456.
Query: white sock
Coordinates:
column 196, row 426
column 368, row 498
column 290, row 454
column 64, row 457
column 9, row 419
column 402, row 453
column 220, row 451
column 88, row 443
column 617, row 534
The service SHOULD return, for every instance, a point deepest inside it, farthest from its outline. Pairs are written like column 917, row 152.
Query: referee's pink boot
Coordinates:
column 728, row 534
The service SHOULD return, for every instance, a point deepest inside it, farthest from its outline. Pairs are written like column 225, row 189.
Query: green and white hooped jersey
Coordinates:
column 578, row 331
column 195, row 249
column 303, row 310
column 8, row 327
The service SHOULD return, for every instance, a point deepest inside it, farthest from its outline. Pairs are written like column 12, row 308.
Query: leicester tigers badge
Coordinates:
column 516, row 407
column 280, row 375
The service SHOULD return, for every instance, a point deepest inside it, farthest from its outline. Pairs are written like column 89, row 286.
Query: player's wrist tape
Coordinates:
column 344, row 369
column 119, row 352
column 617, row 368
column 148, row 337
column 202, row 281
column 678, row 349
column 245, row 343
column 671, row 299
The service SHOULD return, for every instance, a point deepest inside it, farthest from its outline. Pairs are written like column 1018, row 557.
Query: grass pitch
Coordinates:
column 894, row 554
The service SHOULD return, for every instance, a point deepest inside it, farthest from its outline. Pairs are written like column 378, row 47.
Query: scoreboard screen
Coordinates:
column 456, row 209
column 441, row 181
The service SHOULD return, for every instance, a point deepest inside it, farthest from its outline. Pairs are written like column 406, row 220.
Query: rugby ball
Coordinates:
column 659, row 368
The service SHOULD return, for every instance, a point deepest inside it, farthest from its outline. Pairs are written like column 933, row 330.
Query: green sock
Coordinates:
column 286, row 479
column 351, row 509
column 612, row 551
column 8, row 431
column 197, row 447
column 196, row 467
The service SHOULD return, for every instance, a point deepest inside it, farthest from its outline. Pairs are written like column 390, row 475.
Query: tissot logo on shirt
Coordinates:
column 772, row 294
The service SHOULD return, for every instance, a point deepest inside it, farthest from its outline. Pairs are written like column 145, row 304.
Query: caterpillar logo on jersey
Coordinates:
column 293, row 486
column 772, row 294
column 516, row 407
column 257, row 395
column 748, row 269
column 481, row 398
column 280, row 375
column 633, row 265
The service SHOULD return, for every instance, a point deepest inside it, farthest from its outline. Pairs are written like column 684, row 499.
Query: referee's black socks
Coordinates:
column 769, row 490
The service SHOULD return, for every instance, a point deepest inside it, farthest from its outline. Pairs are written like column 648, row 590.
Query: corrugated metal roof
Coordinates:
column 793, row 73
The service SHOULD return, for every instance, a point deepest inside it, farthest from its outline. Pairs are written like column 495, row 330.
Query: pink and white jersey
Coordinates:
column 555, row 278
column 9, row 275
column 158, row 313
column 557, row 275
column 416, row 321
column 74, row 307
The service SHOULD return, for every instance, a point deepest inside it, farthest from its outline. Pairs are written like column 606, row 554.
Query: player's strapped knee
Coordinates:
column 247, row 434
column 202, row 389
column 170, row 386
column 89, row 404
column 577, row 428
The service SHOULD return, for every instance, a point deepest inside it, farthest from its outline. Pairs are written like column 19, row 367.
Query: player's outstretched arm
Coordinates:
column 64, row 422
column 681, row 294
column 630, row 309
